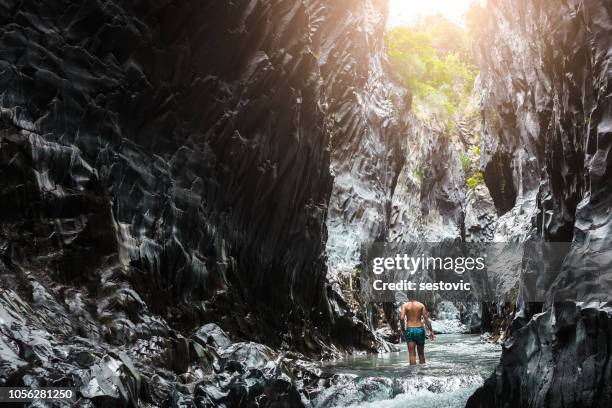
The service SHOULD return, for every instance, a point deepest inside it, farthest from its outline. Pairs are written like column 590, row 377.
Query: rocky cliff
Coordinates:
column 367, row 133
column 364, row 104
column 167, row 164
column 546, row 105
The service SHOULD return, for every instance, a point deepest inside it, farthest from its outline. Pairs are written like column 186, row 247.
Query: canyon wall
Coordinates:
column 167, row 164
column 131, row 131
column 545, row 77
column 367, row 134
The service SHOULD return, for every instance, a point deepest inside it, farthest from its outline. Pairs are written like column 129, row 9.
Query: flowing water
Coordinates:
column 457, row 364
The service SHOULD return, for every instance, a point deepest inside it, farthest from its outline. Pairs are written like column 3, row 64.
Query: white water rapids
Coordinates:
column 457, row 364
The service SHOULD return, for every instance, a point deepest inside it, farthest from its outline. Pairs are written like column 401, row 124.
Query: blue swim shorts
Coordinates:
column 416, row 335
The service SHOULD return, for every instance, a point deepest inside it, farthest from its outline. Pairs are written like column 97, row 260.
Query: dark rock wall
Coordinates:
column 165, row 164
column 199, row 152
column 429, row 198
column 368, row 137
column 368, row 132
column 546, row 85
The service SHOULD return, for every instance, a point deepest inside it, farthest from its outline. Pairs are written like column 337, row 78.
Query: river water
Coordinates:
column 456, row 365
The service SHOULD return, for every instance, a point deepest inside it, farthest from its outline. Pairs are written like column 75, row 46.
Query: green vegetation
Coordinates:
column 466, row 162
column 477, row 150
column 474, row 181
column 419, row 173
column 434, row 60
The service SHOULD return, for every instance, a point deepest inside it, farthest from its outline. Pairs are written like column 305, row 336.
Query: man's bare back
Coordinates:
column 410, row 315
column 413, row 312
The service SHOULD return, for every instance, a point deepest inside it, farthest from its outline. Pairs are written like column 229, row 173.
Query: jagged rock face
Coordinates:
column 367, row 133
column 367, row 130
column 428, row 199
column 212, row 166
column 562, row 358
column 396, row 179
column 536, row 118
column 167, row 164
column 547, row 103
column 480, row 215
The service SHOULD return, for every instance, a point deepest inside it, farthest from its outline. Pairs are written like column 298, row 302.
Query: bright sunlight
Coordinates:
column 407, row 12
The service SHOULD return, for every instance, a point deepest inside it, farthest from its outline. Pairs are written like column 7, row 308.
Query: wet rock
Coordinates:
column 111, row 381
column 250, row 355
column 152, row 182
column 427, row 204
column 159, row 389
column 366, row 106
column 128, row 140
column 250, row 374
column 472, row 317
column 517, row 224
column 212, row 335
column 545, row 85
column 366, row 147
column 390, row 335
column 351, row 311
column 480, row 215
column 561, row 357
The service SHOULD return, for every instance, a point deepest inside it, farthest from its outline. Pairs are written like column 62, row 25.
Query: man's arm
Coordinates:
column 428, row 323
column 402, row 317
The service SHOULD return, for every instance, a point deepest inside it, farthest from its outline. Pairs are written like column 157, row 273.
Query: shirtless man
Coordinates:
column 412, row 311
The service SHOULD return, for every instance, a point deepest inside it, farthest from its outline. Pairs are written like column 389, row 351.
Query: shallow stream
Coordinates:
column 456, row 365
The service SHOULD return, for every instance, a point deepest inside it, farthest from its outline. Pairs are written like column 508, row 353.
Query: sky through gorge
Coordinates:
column 406, row 12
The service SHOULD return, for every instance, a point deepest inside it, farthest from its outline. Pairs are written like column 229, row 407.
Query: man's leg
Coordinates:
column 421, row 350
column 412, row 353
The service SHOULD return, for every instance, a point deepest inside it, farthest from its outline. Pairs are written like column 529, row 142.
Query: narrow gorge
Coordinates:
column 188, row 188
